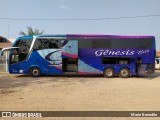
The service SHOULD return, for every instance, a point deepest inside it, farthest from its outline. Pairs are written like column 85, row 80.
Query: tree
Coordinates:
column 31, row 32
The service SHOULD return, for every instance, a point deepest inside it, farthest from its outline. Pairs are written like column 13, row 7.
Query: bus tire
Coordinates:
column 109, row 73
column 124, row 73
column 35, row 72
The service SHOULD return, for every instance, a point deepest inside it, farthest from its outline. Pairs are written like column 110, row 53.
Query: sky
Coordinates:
column 81, row 17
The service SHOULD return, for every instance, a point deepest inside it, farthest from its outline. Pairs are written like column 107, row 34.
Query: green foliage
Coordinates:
column 31, row 32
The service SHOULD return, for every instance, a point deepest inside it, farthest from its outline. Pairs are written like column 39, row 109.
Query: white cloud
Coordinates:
column 65, row 7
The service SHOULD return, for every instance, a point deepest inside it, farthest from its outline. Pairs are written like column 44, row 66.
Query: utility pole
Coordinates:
column 8, row 30
column 7, row 52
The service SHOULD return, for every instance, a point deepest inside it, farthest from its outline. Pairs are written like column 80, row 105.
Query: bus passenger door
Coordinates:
column 69, row 56
column 12, row 60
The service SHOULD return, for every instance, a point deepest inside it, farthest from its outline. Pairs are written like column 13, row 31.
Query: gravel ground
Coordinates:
column 79, row 93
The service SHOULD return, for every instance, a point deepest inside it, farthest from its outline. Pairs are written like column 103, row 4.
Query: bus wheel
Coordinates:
column 124, row 73
column 108, row 72
column 35, row 72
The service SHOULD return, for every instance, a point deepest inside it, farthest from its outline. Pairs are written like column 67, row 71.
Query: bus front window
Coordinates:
column 19, row 54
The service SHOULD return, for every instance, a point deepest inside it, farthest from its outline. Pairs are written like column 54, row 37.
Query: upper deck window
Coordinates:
column 43, row 43
column 113, row 43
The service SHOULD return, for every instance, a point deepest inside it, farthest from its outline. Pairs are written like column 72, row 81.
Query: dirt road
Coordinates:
column 79, row 93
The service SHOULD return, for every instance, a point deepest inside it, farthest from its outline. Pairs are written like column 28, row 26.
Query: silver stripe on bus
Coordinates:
column 34, row 39
column 30, row 50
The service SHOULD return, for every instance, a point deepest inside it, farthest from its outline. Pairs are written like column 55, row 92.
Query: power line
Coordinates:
column 79, row 19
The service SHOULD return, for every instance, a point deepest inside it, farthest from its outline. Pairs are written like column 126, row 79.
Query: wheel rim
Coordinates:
column 124, row 72
column 109, row 72
column 35, row 72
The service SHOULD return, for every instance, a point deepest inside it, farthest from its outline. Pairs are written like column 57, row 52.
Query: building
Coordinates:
column 4, row 42
column 158, row 54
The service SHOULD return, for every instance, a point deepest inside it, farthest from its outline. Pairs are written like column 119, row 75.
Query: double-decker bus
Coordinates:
column 110, row 55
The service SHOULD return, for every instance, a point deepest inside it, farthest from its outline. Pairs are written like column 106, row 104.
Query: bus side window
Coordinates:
column 54, row 44
column 15, row 59
column 115, row 60
column 43, row 43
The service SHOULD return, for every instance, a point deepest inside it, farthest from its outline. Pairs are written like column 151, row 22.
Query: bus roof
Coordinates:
column 92, row 36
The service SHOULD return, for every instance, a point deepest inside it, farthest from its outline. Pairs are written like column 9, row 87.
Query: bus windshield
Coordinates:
column 20, row 53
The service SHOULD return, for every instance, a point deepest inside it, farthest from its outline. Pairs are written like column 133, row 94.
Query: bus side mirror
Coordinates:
column 7, row 49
